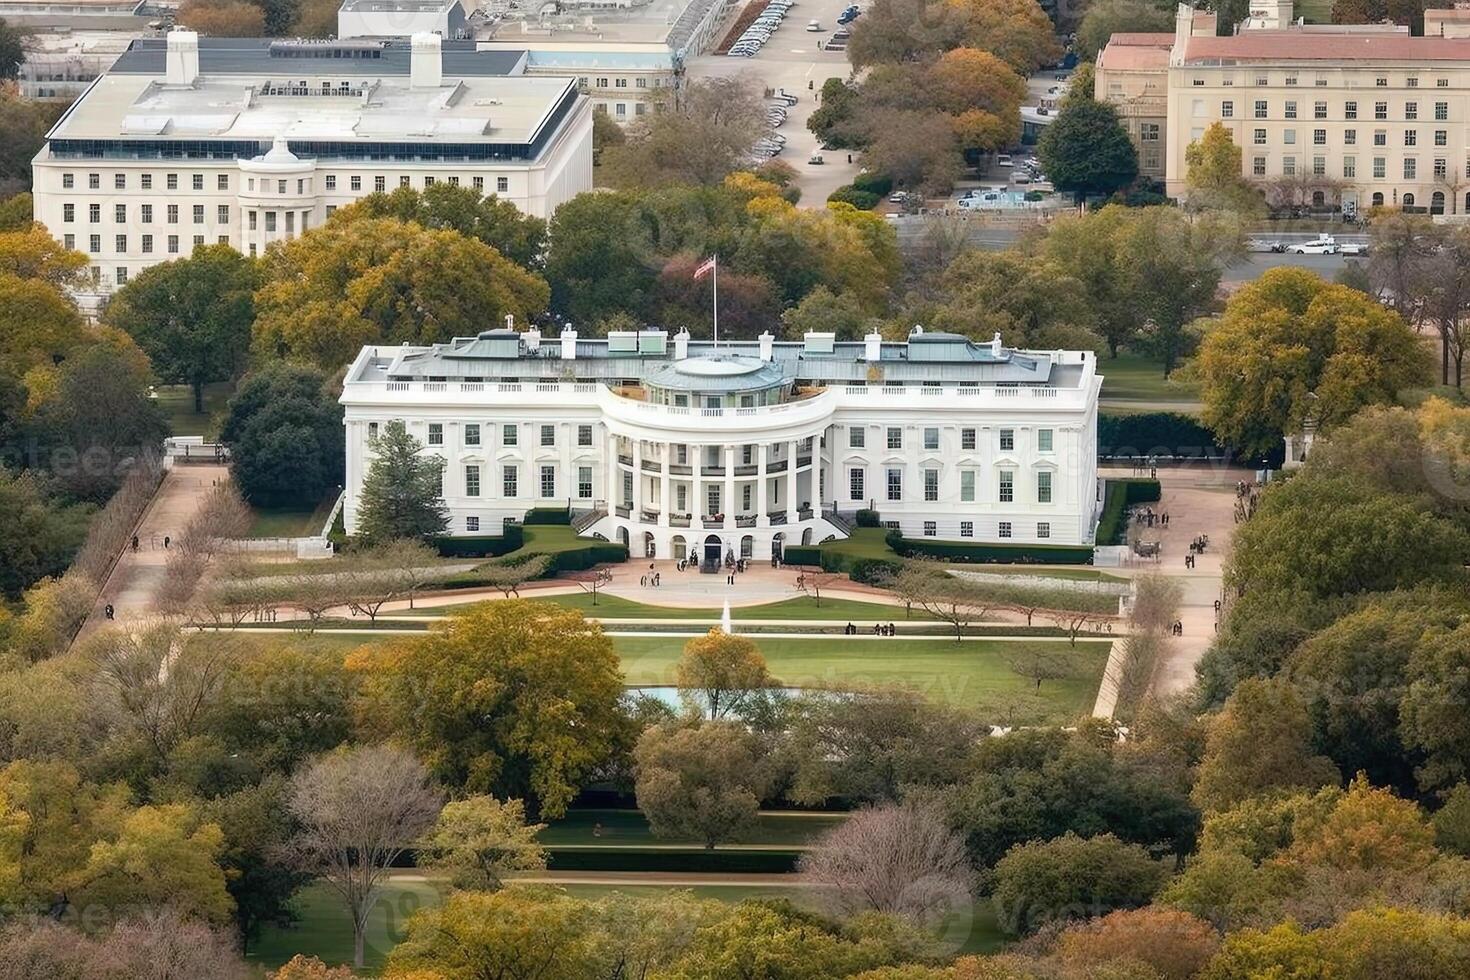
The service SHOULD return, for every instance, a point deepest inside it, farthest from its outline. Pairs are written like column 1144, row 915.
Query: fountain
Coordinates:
column 725, row 619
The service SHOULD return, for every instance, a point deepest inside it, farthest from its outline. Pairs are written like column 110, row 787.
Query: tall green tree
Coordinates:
column 600, row 260
column 703, row 782
column 192, row 317
column 1086, row 151
column 284, row 430
column 402, row 494
column 12, row 49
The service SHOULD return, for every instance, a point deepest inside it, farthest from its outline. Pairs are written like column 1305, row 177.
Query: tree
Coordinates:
column 38, row 536
column 1175, row 943
column 160, row 855
column 29, row 252
column 290, row 702
column 222, row 18
column 1436, row 676
column 402, row 494
column 599, row 260
column 748, row 303
column 1292, row 347
column 1367, row 829
column 1260, row 742
column 301, row 967
column 704, row 135
column 477, row 841
column 1214, row 176
column 379, row 280
column 12, row 50
column 1031, row 302
column 25, row 123
column 358, row 809
column 835, row 119
column 1072, row 877
column 902, row 860
column 1108, row 17
column 1086, row 151
column 917, row 148
column 944, row 596
column 499, row 224
column 158, row 944
column 1402, row 245
column 1016, row 31
column 703, row 782
column 284, row 430
column 255, row 825
column 511, row 698
column 1378, row 942
column 1446, row 301
column 720, row 673
column 191, row 317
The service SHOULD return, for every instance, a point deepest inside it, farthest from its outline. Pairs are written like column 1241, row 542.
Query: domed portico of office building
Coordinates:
column 687, row 449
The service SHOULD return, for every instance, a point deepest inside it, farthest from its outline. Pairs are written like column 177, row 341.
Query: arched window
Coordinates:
column 747, row 546
column 1436, row 203
column 681, row 548
column 1318, row 199
column 1408, row 201
column 1378, row 199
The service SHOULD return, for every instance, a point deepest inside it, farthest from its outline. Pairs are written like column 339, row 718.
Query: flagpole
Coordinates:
column 715, row 272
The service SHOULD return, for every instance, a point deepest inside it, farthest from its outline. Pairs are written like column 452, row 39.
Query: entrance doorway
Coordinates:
column 778, row 541
column 713, row 550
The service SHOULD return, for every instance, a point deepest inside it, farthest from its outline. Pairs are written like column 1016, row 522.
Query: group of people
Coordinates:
column 1150, row 518
column 1178, row 628
column 651, row 579
column 1149, row 465
column 1247, row 495
column 879, row 629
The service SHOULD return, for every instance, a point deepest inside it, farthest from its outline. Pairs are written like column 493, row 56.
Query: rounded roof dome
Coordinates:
column 717, row 372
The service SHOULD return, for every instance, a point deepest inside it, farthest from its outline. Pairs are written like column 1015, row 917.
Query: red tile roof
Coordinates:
column 1136, row 52
column 1296, row 46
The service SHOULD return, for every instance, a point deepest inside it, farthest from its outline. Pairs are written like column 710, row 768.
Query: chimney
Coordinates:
column 510, row 321
column 568, row 343
column 873, row 346
column 681, row 345
column 533, row 339
column 996, row 348
column 426, row 67
column 181, row 61
column 767, row 343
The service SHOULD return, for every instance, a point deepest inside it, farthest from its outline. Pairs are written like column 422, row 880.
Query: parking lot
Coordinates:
column 792, row 60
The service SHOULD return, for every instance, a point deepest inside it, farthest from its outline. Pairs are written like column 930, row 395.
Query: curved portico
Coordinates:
column 714, row 454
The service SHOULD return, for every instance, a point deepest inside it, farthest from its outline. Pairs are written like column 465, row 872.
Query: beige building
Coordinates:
column 1326, row 117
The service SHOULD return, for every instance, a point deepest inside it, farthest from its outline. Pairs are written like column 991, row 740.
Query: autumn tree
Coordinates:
column 477, row 841
column 901, row 859
column 1108, row 17
column 192, row 316
column 512, row 698
column 1214, row 174
column 485, row 217
column 720, row 673
column 1291, row 346
column 1175, row 943
column 359, row 809
column 345, row 284
column 1260, row 742
column 703, row 782
column 402, row 494
column 704, row 135
column 222, row 18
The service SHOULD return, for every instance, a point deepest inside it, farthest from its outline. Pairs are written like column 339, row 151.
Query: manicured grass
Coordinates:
column 1132, row 378
column 547, row 539
column 623, row 828
column 177, row 403
column 864, row 542
column 617, row 607
column 339, row 643
column 324, row 928
column 976, row 674
column 294, row 523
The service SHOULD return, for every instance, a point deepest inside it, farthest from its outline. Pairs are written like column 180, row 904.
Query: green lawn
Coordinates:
column 546, row 539
column 177, row 403
column 621, row 828
column 976, row 674
column 864, row 542
column 1140, row 379
column 295, row 523
column 324, row 929
column 1315, row 11
column 617, row 607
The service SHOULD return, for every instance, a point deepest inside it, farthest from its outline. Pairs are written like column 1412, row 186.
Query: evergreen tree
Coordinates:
column 1087, row 151
column 401, row 493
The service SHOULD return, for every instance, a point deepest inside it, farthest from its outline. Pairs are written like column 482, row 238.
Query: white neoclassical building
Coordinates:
column 250, row 141
column 682, row 448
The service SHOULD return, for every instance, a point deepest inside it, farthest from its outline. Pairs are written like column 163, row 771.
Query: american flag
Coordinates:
column 705, row 268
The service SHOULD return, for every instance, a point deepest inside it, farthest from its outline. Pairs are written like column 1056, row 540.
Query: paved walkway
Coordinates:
column 133, row 585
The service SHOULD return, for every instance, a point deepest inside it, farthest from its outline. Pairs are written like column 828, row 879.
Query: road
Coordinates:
column 790, row 60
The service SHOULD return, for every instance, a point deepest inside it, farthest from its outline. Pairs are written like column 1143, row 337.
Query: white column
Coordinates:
column 610, row 487
column 762, row 504
column 665, row 486
column 696, row 508
column 637, row 479
column 727, row 500
column 791, row 485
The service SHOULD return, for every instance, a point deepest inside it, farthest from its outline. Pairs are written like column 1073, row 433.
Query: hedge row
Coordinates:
column 482, row 546
column 989, row 553
column 1155, row 434
column 747, row 860
column 549, row 515
column 801, row 554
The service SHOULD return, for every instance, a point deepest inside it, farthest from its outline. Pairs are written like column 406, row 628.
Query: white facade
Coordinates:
column 250, row 148
column 681, row 449
column 400, row 18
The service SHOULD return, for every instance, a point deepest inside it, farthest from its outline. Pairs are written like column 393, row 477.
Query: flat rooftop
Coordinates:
column 304, row 58
column 667, row 21
column 393, row 6
column 1296, row 46
column 238, row 107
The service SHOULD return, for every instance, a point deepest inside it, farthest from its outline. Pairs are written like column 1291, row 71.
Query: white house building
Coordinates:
column 681, row 448
column 249, row 141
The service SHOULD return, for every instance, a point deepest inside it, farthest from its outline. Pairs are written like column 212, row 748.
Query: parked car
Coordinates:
column 1353, row 248
column 815, row 160
column 1324, row 245
column 814, row 26
column 1002, row 160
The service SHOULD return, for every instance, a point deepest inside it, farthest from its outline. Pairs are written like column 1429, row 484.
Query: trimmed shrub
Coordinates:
column 579, row 559
column 873, row 183
column 983, row 553
column 549, row 515
column 801, row 554
column 744, row 860
column 868, row 518
column 862, row 200
column 482, row 546
column 873, row 571
column 1155, row 434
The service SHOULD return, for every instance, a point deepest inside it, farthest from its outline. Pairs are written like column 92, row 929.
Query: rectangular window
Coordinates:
column 120, row 243
column 1441, row 111
column 584, row 435
column 1258, row 166
column 509, row 475
column 405, row 181
column 1441, row 137
column 197, row 182
column 478, row 183
column 120, row 182
column 1007, row 440
column 147, row 244
column 1227, row 110
column 1043, row 440
column 1380, row 110
column 1289, row 137
column 380, row 184
column 1319, row 166
column 510, row 434
column 1005, row 529
column 1043, row 487
column 68, row 213
column 94, row 181
column 121, row 275
column 472, row 481
column 584, row 483
column 472, row 434
column 1290, row 109
column 1319, row 110
column 94, row 213
column 1319, row 137
column 222, row 182
column 120, row 213
column 1380, row 137
column 1350, row 110
column 967, row 529
column 355, row 182
column 502, row 184
column 1411, row 110
column 70, row 241
column 146, row 213
column 855, row 489
column 253, row 218
column 895, row 484
column 1411, row 138
column 548, row 481
column 472, row 523
column 895, row 437
column 436, row 433
column 856, row 437
column 1349, row 168
column 1441, row 168
column 931, row 529
column 1007, row 487
column 1258, row 138
column 967, row 438
column 1260, row 108
column 94, row 243
column 68, row 181
column 171, row 182
column 1043, row 529
column 270, row 221
column 1349, row 137
column 931, row 438
column 1288, row 166
column 222, row 214
column 173, row 244
column 548, row 435
column 931, row 485
column 1411, row 168
column 1380, row 167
